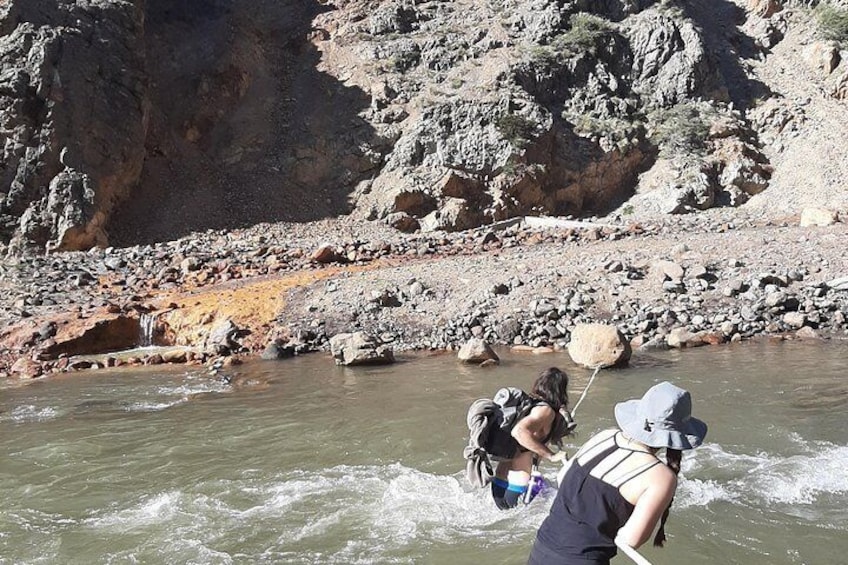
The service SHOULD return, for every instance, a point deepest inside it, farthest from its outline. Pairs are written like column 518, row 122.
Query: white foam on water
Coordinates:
column 154, row 406
column 30, row 413
column 152, row 510
column 194, row 386
column 802, row 479
column 695, row 492
column 168, row 396
column 177, row 527
column 356, row 514
column 37, row 521
column 298, row 506
column 439, row 508
column 763, row 479
column 377, row 513
column 385, row 508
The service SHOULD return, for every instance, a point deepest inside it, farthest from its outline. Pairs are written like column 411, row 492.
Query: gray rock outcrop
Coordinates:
column 73, row 114
column 359, row 348
column 129, row 121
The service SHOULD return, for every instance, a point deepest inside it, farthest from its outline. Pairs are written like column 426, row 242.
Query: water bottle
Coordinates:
column 535, row 486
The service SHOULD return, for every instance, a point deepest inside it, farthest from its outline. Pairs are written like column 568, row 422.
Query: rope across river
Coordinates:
column 586, row 390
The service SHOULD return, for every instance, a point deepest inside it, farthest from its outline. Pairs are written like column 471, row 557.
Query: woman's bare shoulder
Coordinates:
column 661, row 475
column 543, row 410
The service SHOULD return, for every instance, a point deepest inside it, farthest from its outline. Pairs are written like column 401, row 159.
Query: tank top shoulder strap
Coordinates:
column 618, row 482
column 596, row 450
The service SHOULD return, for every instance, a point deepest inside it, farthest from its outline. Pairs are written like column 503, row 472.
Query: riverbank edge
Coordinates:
column 678, row 282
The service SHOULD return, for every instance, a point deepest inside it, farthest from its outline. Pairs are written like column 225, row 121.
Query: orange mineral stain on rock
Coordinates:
column 251, row 305
column 182, row 318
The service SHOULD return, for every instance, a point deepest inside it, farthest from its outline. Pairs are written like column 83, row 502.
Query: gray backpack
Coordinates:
column 490, row 423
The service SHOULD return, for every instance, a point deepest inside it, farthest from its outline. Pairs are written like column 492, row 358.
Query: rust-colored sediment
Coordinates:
column 187, row 318
column 251, row 304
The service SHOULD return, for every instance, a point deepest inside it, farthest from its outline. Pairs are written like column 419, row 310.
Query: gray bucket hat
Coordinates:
column 661, row 418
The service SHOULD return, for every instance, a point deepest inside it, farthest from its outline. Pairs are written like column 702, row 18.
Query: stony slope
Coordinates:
column 806, row 153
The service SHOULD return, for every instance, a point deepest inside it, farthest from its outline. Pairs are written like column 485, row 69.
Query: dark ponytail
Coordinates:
column 672, row 458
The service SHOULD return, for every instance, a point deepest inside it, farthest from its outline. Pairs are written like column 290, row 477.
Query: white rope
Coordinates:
column 585, row 390
column 631, row 553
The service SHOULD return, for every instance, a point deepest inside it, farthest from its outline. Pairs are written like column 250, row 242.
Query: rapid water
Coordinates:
column 306, row 462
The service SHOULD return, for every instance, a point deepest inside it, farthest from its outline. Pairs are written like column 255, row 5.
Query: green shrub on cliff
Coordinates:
column 516, row 129
column 581, row 37
column 583, row 34
column 833, row 22
column 620, row 132
column 683, row 128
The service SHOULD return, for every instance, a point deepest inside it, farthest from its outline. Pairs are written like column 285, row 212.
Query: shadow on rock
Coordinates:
column 244, row 128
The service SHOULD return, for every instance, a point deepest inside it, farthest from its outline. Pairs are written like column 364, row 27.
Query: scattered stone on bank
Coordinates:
column 326, row 253
column 26, row 368
column 807, row 333
column 681, row 337
column 476, row 350
column 818, row 217
column 598, row 345
column 277, row 350
column 155, row 359
column 794, row 320
column 840, row 283
column 223, row 338
column 358, row 348
column 175, row 356
column 667, row 271
column 777, row 285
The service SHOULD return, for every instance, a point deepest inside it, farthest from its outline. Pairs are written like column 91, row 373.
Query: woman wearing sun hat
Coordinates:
column 616, row 486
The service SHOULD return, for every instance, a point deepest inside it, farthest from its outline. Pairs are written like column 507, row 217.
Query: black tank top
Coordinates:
column 587, row 512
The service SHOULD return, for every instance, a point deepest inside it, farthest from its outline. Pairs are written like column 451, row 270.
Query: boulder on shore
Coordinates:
column 359, row 348
column 598, row 345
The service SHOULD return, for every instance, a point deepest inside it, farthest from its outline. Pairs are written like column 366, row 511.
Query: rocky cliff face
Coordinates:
column 129, row 122
column 245, row 127
column 73, row 114
column 140, row 121
column 514, row 107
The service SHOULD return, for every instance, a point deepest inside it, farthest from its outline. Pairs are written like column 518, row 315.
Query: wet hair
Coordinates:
column 672, row 458
column 550, row 386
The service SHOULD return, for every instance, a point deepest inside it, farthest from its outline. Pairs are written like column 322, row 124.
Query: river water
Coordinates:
column 313, row 463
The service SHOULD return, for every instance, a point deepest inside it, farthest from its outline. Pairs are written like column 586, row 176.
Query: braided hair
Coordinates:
column 673, row 458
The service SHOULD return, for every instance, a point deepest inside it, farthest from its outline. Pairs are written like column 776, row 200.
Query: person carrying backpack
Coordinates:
column 515, row 430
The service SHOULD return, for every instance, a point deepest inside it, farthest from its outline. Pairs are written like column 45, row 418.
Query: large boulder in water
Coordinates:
column 598, row 345
column 475, row 350
column 359, row 348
